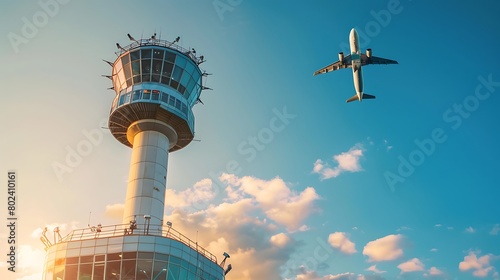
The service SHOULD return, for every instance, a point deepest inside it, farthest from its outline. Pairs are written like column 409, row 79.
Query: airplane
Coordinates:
column 355, row 60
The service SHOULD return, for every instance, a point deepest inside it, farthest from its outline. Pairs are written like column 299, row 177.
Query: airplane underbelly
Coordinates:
column 358, row 78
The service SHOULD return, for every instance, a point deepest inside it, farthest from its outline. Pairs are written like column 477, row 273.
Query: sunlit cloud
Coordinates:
column 313, row 275
column 435, row 271
column 374, row 268
column 384, row 249
column 341, row 242
column 202, row 191
column 114, row 211
column 480, row 267
column 346, row 162
column 279, row 203
column 412, row 265
column 253, row 224
column 280, row 240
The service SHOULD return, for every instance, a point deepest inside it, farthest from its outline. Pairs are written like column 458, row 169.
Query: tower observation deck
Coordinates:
column 157, row 83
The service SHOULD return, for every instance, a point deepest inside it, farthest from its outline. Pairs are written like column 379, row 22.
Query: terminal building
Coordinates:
column 157, row 83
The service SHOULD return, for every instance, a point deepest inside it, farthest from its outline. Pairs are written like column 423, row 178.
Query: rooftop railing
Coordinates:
column 129, row 230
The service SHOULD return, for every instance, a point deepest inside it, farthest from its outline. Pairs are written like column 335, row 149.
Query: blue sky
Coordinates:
column 276, row 216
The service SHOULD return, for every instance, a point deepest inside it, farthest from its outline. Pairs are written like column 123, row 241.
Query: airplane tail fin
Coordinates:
column 364, row 96
column 368, row 96
column 353, row 98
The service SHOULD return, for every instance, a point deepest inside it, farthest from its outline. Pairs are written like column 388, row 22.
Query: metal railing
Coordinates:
column 126, row 230
column 159, row 43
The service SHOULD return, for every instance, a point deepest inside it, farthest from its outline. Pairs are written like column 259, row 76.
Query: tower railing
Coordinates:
column 159, row 43
column 137, row 230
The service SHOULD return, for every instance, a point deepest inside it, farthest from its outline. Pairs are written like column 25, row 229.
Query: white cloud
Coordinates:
column 412, row 265
column 495, row 229
column 312, row 275
column 403, row 228
column 346, row 161
column 340, row 241
column 115, row 211
column 275, row 198
column 374, row 268
column 384, row 249
column 470, row 230
column 480, row 266
column 196, row 196
column 435, row 271
column 434, row 250
column 438, row 225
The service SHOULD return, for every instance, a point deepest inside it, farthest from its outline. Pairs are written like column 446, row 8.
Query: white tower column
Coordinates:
column 151, row 140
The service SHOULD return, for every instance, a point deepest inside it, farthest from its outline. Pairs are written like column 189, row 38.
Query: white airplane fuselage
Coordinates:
column 356, row 63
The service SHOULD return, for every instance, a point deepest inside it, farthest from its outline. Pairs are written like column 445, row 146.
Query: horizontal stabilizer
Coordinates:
column 368, row 96
column 353, row 98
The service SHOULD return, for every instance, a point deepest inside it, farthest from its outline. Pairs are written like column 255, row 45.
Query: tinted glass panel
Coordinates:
column 144, row 269
column 134, row 55
column 177, row 74
column 137, row 95
column 189, row 68
column 146, row 53
column 128, row 269
column 182, row 89
column 136, row 67
column 86, row 259
column 85, row 271
column 125, row 59
column 174, row 84
column 164, row 97
column 157, row 66
column 146, row 66
column 146, row 94
column 170, row 57
column 190, row 86
column 71, row 272
column 167, row 69
column 158, row 54
column 113, row 270
column 181, row 61
column 126, row 70
column 98, row 272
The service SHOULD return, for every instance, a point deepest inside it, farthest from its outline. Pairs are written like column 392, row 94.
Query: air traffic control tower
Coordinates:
column 157, row 83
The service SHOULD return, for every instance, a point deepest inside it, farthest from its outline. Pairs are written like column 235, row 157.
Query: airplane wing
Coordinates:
column 365, row 60
column 345, row 63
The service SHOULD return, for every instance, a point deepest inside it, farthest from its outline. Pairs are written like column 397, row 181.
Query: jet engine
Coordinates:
column 368, row 52
column 341, row 57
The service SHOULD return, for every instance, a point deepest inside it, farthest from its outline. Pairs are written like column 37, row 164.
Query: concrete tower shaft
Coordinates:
column 151, row 140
